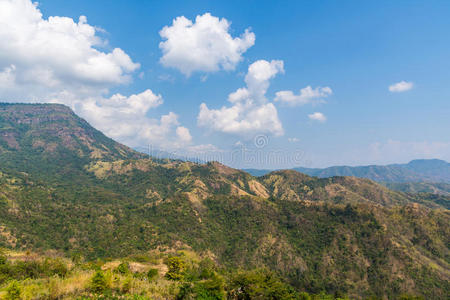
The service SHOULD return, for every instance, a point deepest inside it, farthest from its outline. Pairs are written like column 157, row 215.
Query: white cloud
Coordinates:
column 250, row 112
column 58, row 60
column 125, row 119
column 55, row 53
column 204, row 45
column 305, row 96
column 317, row 116
column 7, row 77
column 401, row 86
column 293, row 140
column 183, row 134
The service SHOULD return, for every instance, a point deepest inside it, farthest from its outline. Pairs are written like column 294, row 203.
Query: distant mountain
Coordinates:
column 421, row 170
column 66, row 186
column 420, row 187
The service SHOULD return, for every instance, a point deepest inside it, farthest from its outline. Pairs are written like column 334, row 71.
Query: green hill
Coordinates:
column 65, row 186
column 421, row 187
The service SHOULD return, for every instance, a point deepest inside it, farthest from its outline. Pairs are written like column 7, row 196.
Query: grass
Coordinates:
column 77, row 284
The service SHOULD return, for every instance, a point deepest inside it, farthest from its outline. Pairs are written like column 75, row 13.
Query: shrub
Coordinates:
column 151, row 274
column 13, row 291
column 3, row 258
column 123, row 268
column 98, row 282
column 176, row 268
column 55, row 267
column 127, row 284
column 260, row 284
column 212, row 289
column 304, row 296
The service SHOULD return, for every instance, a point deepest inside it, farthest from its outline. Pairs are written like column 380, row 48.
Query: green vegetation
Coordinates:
column 13, row 291
column 99, row 283
column 204, row 279
column 422, row 187
column 176, row 268
column 162, row 229
column 151, row 274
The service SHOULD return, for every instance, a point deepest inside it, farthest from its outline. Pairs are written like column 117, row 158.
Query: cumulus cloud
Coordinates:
column 317, row 116
column 250, row 112
column 183, row 134
column 204, row 45
column 401, row 86
column 55, row 53
column 59, row 60
column 7, row 77
column 305, row 96
column 125, row 119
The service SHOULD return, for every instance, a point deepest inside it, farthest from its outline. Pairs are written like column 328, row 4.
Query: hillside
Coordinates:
column 421, row 187
column 67, row 187
column 418, row 176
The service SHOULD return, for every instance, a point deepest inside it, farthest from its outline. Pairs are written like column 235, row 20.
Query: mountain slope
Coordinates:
column 50, row 136
column 99, row 198
column 421, row 187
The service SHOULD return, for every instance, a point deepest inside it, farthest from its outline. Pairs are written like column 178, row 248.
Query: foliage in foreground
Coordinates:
column 154, row 275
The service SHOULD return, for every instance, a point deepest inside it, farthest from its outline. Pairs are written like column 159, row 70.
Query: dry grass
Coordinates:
column 77, row 283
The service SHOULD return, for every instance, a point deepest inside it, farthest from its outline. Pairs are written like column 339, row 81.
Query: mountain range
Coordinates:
column 420, row 175
column 67, row 187
column 419, row 170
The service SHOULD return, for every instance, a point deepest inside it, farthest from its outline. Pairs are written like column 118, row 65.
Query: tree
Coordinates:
column 98, row 282
column 260, row 284
column 123, row 268
column 176, row 268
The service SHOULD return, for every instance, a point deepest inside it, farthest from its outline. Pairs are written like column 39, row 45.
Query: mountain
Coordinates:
column 65, row 186
column 421, row 170
column 51, row 139
column 420, row 187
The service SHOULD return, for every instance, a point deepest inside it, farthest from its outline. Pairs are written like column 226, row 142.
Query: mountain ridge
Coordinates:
column 419, row 170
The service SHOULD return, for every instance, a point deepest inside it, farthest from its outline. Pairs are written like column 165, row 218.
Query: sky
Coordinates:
column 252, row 84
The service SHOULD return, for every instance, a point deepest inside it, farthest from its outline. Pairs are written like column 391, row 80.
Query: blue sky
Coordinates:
column 357, row 49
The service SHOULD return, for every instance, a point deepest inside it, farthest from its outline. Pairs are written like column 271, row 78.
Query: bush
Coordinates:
column 123, row 268
column 304, row 296
column 55, row 267
column 99, row 283
column 260, row 284
column 13, row 291
column 3, row 258
column 176, row 268
column 127, row 284
column 211, row 289
column 151, row 274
